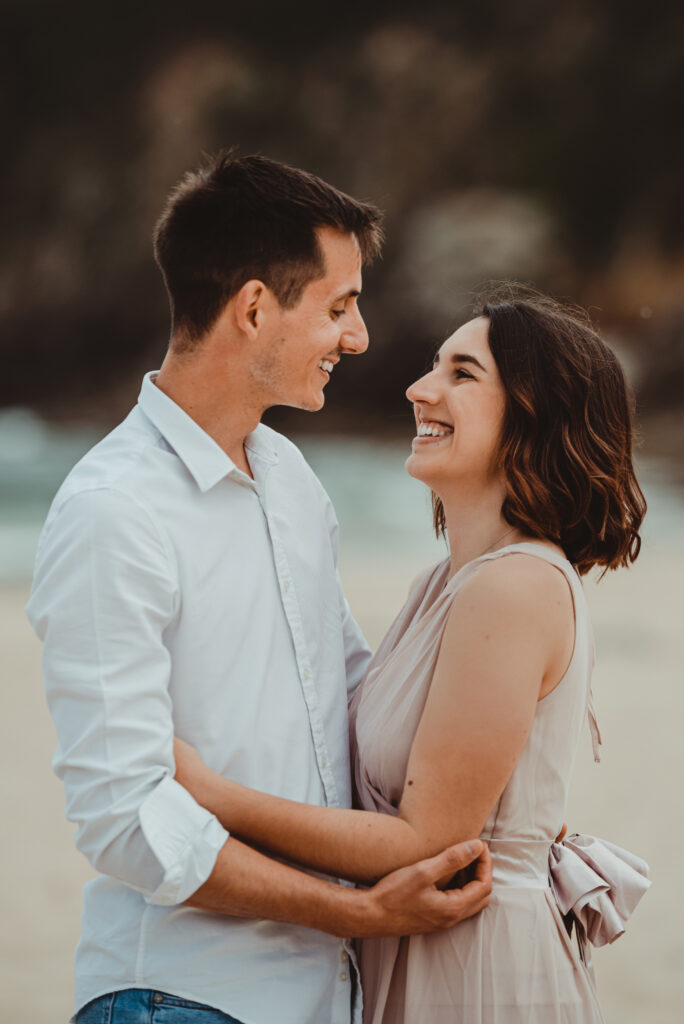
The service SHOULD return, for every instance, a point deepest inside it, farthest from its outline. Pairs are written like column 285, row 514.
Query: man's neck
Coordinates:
column 217, row 401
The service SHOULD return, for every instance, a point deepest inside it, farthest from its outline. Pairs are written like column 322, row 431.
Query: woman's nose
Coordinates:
column 421, row 390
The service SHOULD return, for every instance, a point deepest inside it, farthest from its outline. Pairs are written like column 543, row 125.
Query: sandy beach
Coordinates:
column 633, row 797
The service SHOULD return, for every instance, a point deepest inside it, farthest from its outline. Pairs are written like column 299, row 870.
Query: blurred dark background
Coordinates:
column 527, row 140
column 530, row 140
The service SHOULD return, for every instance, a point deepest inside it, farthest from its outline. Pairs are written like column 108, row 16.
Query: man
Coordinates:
column 185, row 582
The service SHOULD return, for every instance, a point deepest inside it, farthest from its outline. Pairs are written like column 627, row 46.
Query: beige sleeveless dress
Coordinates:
column 514, row 963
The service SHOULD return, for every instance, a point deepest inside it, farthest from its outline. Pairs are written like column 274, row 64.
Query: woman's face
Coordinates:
column 459, row 407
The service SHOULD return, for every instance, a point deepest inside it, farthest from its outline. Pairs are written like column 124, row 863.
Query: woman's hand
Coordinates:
column 192, row 773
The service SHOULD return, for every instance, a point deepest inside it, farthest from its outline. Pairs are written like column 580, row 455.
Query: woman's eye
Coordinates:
column 463, row 375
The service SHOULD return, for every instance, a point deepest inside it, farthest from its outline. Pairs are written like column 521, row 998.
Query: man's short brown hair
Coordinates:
column 242, row 218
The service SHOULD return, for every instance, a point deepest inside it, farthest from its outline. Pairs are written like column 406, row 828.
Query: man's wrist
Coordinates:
column 361, row 917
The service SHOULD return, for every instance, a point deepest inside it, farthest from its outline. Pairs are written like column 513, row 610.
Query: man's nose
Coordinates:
column 354, row 338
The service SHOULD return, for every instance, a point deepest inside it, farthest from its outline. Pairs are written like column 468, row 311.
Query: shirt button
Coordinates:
column 343, row 957
column 324, row 762
column 343, row 976
column 286, row 586
column 306, row 674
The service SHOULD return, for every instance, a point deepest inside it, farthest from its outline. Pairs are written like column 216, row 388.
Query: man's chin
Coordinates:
column 314, row 404
column 306, row 405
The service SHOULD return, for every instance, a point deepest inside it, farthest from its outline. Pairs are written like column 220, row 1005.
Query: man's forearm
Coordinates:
column 245, row 883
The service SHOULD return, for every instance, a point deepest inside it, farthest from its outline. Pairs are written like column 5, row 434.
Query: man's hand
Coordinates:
column 408, row 902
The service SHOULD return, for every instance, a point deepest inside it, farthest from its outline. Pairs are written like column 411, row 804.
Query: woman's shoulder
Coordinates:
column 520, row 607
column 531, row 578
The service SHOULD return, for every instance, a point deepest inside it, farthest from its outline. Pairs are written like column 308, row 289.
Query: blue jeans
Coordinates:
column 144, row 1006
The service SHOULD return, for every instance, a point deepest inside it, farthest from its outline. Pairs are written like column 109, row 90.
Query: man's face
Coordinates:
column 307, row 341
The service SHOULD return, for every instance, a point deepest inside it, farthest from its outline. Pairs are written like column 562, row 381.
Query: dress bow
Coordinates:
column 596, row 884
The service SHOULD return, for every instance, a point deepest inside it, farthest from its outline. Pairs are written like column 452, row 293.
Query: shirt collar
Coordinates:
column 202, row 456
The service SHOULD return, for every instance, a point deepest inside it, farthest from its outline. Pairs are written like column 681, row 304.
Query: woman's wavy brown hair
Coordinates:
column 566, row 447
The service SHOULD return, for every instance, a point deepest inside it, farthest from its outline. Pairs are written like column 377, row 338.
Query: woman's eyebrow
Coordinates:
column 462, row 357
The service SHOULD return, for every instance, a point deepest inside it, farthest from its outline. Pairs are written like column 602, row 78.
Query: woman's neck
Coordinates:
column 475, row 527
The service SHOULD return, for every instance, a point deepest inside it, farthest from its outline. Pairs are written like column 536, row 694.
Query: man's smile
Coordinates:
column 326, row 366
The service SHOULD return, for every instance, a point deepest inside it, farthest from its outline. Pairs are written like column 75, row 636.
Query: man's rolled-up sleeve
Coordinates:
column 184, row 838
column 105, row 593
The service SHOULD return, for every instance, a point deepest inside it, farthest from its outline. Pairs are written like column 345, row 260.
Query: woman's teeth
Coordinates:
column 326, row 365
column 433, row 430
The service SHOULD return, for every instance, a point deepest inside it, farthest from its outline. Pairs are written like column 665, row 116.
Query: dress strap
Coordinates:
column 530, row 548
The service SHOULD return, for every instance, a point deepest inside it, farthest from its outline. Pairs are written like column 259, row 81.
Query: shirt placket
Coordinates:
column 304, row 667
column 342, row 997
column 341, row 1004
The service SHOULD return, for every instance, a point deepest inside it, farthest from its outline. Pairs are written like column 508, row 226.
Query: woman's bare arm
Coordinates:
column 506, row 635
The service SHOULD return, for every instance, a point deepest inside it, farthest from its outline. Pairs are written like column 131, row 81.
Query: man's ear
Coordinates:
column 250, row 303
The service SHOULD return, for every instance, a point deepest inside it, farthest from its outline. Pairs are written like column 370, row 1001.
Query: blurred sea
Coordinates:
column 383, row 512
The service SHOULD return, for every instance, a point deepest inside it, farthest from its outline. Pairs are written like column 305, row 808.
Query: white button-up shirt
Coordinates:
column 175, row 594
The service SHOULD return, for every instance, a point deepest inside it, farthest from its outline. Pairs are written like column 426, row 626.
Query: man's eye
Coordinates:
column 337, row 313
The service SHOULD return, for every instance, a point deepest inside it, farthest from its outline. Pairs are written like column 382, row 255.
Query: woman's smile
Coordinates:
column 430, row 433
column 433, row 428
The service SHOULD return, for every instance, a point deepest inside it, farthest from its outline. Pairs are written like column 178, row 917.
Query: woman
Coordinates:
column 469, row 718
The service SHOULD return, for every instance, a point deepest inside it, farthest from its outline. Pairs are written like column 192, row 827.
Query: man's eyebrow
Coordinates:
column 351, row 294
column 462, row 357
